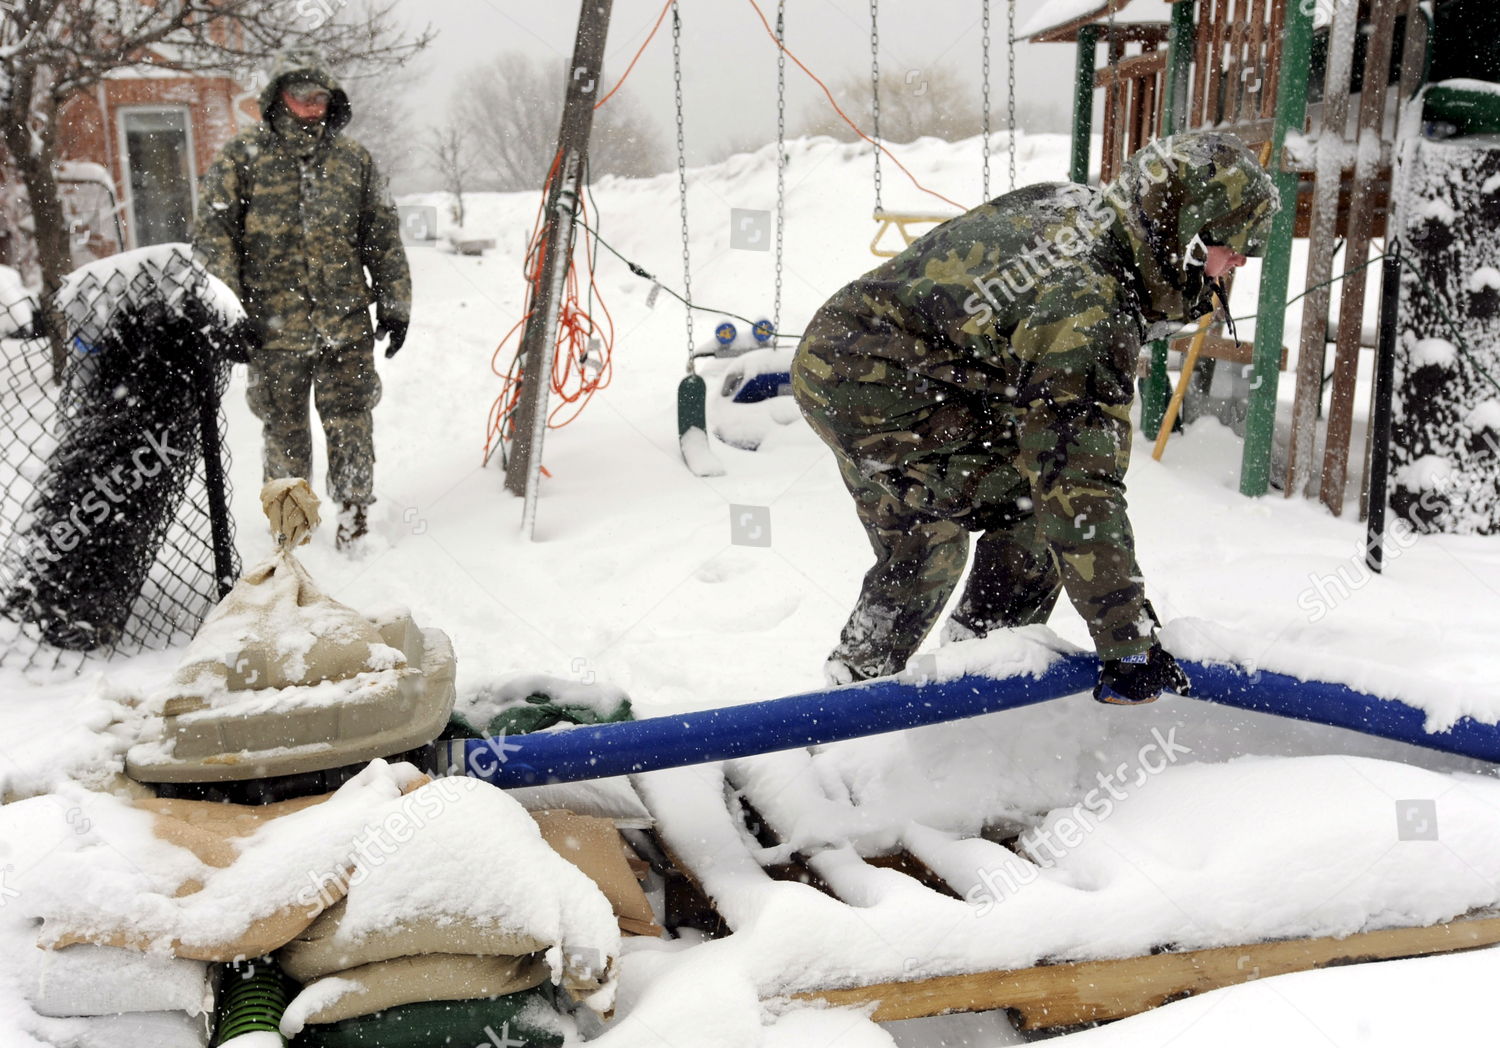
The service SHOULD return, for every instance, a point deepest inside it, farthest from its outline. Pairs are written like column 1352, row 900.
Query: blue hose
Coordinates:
column 893, row 704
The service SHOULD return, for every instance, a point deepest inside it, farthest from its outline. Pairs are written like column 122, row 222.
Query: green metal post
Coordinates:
column 1291, row 111
column 1180, row 39
column 1083, row 103
column 1156, row 389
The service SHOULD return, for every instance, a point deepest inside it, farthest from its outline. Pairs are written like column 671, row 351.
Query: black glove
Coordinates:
column 245, row 338
column 396, row 329
column 1141, row 678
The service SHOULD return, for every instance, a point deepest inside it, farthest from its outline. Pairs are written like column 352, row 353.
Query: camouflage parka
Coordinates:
column 291, row 219
column 1010, row 335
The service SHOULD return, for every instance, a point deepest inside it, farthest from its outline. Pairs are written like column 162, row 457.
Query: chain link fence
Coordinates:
column 115, row 535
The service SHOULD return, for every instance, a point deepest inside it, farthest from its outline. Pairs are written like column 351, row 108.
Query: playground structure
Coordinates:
column 1324, row 91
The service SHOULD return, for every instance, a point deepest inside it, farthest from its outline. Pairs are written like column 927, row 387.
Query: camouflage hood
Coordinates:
column 1179, row 195
column 304, row 64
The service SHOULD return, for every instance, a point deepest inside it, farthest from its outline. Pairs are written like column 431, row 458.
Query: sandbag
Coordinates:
column 406, row 980
column 102, row 980
column 612, row 798
column 595, row 847
column 527, row 1018
column 319, row 950
column 156, row 1029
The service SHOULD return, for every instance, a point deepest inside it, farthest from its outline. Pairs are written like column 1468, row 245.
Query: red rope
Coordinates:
column 571, row 381
column 649, row 37
column 834, row 102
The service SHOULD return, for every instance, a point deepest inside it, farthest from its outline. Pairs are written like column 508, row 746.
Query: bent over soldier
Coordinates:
column 981, row 381
column 292, row 215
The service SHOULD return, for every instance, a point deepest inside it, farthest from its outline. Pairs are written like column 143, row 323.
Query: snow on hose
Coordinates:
column 893, row 704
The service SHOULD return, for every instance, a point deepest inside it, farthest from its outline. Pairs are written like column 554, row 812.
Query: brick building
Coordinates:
column 130, row 152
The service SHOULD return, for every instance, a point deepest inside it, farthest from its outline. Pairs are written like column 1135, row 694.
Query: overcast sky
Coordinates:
column 729, row 63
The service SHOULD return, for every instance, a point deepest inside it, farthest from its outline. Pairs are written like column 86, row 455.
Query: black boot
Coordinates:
column 353, row 525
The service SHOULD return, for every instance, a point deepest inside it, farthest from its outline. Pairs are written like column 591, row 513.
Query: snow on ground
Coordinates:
column 635, row 581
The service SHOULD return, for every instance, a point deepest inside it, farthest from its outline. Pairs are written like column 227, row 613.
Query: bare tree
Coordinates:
column 454, row 159
column 512, row 106
column 52, row 50
column 936, row 102
column 383, row 120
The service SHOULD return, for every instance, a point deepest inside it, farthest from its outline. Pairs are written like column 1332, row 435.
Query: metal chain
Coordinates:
column 875, row 90
column 687, row 268
column 984, row 108
column 1010, row 81
column 780, row 153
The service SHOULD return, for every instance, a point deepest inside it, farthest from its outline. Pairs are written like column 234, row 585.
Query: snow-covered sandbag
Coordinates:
column 283, row 679
column 375, row 987
column 225, row 882
column 613, row 798
column 103, row 980
column 595, row 847
column 157, row 1029
column 470, row 874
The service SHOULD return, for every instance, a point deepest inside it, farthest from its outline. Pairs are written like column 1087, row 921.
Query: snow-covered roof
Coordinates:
column 1057, row 20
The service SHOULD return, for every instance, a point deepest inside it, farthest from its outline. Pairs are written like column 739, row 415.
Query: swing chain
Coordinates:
column 780, row 153
column 984, row 67
column 875, row 90
column 687, row 273
column 1010, row 78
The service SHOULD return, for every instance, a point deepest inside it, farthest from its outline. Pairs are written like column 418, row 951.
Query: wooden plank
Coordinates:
column 1307, row 400
column 1091, row 991
column 1235, row 96
column 1215, row 114
column 1413, row 53
column 1110, row 149
column 1356, row 248
column 1218, row 347
column 1256, row 90
column 1273, row 59
column 1200, row 65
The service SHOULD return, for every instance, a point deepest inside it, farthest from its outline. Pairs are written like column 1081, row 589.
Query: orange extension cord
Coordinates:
column 577, row 325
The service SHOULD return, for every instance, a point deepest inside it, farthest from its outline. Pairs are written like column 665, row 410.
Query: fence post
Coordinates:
column 207, row 397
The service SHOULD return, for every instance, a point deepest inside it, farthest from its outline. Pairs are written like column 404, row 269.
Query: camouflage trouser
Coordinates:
column 927, row 462
column 919, row 559
column 345, row 389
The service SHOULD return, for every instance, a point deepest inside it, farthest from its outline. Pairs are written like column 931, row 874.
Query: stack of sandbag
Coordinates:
column 123, row 997
column 456, row 898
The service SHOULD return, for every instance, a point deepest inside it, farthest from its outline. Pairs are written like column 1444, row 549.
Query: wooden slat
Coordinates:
column 1226, row 349
column 1110, row 149
column 1236, row 63
column 1200, row 65
column 1356, row 248
column 1256, row 49
column 1091, row 991
column 1413, row 53
column 1308, row 398
column 1273, row 59
column 1215, row 114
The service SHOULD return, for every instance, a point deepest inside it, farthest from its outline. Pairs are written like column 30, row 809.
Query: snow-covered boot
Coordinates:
column 353, row 525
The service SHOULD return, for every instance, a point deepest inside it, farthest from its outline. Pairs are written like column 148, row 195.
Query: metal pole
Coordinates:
column 1083, row 102
column 539, row 342
column 1380, row 423
column 207, row 396
column 1291, row 111
column 1179, row 66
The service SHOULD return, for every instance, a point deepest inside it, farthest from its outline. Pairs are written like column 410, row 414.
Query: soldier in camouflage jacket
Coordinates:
column 982, row 380
column 291, row 216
